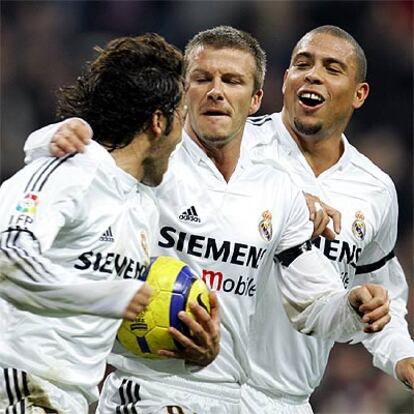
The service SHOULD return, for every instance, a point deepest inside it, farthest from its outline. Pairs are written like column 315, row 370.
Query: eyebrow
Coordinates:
column 200, row 71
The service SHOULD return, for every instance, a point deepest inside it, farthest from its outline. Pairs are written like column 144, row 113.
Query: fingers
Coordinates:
column 405, row 371
column 378, row 325
column 320, row 222
column 138, row 303
column 321, row 214
column 204, row 344
column 310, row 202
column 372, row 303
column 335, row 216
column 70, row 138
column 214, row 308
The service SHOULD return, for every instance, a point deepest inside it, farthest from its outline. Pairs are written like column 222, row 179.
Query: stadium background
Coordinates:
column 44, row 45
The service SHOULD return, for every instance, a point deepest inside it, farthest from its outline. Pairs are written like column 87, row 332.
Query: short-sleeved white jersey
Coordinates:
column 284, row 361
column 65, row 237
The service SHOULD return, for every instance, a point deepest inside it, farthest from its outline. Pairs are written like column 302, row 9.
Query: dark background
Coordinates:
column 44, row 45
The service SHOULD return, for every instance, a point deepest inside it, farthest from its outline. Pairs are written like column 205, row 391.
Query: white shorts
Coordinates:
column 123, row 394
column 23, row 393
column 254, row 401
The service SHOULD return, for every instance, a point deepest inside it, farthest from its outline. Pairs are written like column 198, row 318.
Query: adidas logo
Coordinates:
column 190, row 215
column 107, row 236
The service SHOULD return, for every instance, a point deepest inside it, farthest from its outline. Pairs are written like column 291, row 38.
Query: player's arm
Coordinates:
column 59, row 139
column 31, row 220
column 393, row 348
column 312, row 292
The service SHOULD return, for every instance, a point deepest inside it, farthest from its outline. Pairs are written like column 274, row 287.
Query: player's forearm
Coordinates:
column 32, row 282
column 392, row 344
column 102, row 298
column 315, row 300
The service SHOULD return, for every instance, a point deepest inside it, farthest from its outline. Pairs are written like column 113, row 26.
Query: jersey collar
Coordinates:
column 199, row 156
column 291, row 147
column 122, row 180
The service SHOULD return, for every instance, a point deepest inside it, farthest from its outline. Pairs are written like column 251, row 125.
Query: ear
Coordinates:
column 256, row 102
column 361, row 93
column 284, row 81
column 158, row 124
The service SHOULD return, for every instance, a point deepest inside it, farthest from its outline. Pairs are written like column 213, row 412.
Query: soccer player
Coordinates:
column 325, row 82
column 65, row 229
column 227, row 217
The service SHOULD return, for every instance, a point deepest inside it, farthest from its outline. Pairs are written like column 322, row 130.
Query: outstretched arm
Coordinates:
column 317, row 304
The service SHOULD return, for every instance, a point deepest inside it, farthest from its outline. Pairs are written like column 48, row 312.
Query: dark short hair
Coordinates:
column 122, row 88
column 229, row 37
column 360, row 58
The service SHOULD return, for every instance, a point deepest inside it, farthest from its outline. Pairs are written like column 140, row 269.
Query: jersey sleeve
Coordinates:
column 312, row 292
column 35, row 208
column 378, row 265
column 314, row 298
column 298, row 227
column 37, row 143
column 393, row 343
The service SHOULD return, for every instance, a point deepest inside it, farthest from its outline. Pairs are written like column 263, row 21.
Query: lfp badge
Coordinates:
column 358, row 226
column 265, row 226
column 28, row 204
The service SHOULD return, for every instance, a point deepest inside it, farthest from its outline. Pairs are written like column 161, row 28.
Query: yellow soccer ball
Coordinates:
column 174, row 286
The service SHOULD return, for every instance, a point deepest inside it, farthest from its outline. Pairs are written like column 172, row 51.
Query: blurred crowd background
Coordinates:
column 45, row 43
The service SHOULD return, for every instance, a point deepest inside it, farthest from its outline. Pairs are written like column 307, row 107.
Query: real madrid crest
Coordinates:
column 265, row 226
column 358, row 226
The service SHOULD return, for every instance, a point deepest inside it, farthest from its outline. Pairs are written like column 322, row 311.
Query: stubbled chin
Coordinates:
column 307, row 128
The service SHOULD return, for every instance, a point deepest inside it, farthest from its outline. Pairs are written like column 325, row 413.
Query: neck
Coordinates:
column 225, row 156
column 130, row 158
column 321, row 152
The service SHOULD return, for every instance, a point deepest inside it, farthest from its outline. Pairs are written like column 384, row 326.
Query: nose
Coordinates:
column 314, row 75
column 216, row 91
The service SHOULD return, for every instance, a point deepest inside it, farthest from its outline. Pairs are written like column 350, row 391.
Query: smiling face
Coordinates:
column 320, row 87
column 220, row 94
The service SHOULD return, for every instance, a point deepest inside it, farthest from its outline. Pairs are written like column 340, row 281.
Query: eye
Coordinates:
column 334, row 69
column 301, row 64
column 201, row 79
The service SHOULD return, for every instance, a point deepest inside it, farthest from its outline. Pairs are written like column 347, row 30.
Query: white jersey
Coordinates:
column 229, row 232
column 65, row 238
column 294, row 363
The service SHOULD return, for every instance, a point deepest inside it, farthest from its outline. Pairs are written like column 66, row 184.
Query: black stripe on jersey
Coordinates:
column 122, row 397
column 16, row 385
column 131, row 408
column 129, row 391
column 25, row 384
column 38, row 173
column 8, row 388
column 11, row 248
column 286, row 257
column 259, row 120
column 61, row 161
column 374, row 266
column 43, row 176
column 136, row 392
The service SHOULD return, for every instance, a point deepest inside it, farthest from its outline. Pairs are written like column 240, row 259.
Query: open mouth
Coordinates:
column 214, row 113
column 311, row 99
